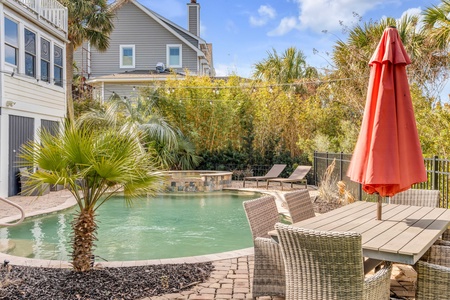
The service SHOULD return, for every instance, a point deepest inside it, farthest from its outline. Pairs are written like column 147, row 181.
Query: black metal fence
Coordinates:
column 438, row 171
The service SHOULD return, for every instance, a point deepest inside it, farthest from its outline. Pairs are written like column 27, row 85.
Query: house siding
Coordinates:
column 188, row 37
column 33, row 97
column 150, row 44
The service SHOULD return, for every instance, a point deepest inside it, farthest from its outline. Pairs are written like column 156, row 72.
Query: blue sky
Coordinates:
column 242, row 32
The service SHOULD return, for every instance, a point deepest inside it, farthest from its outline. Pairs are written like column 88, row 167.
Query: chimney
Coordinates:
column 194, row 17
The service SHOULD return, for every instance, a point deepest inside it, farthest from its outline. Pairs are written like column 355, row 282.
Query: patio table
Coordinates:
column 403, row 235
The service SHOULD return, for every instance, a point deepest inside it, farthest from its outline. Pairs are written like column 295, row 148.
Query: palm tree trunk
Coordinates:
column 84, row 231
column 69, row 79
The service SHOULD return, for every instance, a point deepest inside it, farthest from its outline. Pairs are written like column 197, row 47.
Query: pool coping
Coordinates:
column 70, row 202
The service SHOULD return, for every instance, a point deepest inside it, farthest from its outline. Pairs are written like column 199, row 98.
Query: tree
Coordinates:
column 88, row 20
column 288, row 67
column 167, row 145
column 93, row 164
column 437, row 22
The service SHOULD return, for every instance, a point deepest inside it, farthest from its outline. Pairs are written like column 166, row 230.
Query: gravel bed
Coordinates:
column 19, row 282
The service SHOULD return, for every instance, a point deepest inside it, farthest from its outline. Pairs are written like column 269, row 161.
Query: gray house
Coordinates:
column 144, row 47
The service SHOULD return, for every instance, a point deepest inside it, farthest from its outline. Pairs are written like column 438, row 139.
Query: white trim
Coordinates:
column 180, row 47
column 121, row 48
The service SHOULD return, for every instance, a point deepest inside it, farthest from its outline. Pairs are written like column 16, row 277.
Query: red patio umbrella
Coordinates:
column 387, row 157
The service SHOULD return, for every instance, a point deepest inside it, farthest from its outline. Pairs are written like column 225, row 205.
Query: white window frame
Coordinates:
column 16, row 47
column 55, row 65
column 34, row 55
column 169, row 46
column 122, row 47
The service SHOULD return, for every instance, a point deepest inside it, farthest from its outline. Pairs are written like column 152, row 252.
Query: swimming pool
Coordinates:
column 167, row 226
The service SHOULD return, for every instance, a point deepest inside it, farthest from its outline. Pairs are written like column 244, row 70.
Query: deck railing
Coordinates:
column 438, row 174
column 50, row 10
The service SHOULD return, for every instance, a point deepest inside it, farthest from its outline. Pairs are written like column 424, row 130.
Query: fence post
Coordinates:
column 434, row 174
column 341, row 165
column 315, row 167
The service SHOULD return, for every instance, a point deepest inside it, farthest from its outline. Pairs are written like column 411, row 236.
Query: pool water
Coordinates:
column 166, row 226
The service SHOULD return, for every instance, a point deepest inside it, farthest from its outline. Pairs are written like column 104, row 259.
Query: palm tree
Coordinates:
column 93, row 164
column 437, row 22
column 168, row 147
column 88, row 20
column 288, row 67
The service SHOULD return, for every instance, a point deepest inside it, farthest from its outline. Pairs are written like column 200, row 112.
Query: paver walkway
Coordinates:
column 232, row 277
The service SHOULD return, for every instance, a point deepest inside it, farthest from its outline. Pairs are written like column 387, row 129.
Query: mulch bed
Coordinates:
column 108, row 283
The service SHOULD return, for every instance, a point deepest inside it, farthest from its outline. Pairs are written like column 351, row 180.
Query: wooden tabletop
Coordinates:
column 403, row 234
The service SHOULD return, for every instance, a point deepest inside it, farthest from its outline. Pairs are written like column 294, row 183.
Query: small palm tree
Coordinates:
column 93, row 164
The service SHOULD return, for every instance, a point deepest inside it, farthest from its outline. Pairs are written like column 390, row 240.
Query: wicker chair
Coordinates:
column 417, row 197
column 433, row 275
column 299, row 205
column 328, row 265
column 268, row 273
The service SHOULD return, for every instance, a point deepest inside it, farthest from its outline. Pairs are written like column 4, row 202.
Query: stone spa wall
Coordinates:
column 196, row 181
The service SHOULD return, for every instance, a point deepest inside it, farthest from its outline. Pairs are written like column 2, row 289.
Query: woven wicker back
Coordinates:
column 433, row 277
column 299, row 205
column 417, row 198
column 321, row 265
column 262, row 214
column 439, row 255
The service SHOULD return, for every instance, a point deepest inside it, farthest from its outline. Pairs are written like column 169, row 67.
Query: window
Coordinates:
column 45, row 60
column 174, row 56
column 11, row 42
column 30, row 53
column 127, row 56
column 58, row 65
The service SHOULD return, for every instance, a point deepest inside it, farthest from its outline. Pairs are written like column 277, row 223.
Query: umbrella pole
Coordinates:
column 379, row 207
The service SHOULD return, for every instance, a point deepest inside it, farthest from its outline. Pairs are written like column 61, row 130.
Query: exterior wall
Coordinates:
column 134, row 27
column 26, row 96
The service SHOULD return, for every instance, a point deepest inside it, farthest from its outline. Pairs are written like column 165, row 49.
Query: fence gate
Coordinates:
column 21, row 130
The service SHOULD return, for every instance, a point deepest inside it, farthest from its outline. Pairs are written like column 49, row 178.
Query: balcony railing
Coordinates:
column 50, row 10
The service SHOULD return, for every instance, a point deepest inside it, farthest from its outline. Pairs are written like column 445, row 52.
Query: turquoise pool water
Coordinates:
column 167, row 226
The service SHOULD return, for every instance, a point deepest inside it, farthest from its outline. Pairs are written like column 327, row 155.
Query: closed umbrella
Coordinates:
column 387, row 158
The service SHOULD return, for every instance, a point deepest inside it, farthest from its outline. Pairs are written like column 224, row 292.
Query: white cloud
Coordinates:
column 265, row 13
column 321, row 15
column 286, row 25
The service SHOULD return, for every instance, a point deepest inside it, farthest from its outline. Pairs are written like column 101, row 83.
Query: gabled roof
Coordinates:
column 163, row 22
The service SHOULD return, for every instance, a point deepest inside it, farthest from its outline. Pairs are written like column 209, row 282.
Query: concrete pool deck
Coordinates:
column 232, row 276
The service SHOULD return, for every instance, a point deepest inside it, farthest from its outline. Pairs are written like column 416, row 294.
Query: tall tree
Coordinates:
column 437, row 22
column 93, row 164
column 88, row 20
column 285, row 68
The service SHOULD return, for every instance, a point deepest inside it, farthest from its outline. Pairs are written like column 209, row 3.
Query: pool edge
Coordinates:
column 70, row 202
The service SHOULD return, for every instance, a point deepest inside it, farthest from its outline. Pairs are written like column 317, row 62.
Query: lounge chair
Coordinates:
column 297, row 176
column 274, row 172
column 328, row 265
